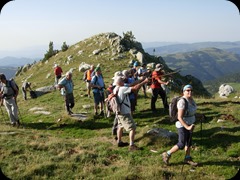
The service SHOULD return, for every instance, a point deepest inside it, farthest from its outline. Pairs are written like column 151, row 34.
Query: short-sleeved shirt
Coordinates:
column 155, row 77
column 68, row 84
column 123, row 92
column 97, row 80
column 190, row 117
column 58, row 71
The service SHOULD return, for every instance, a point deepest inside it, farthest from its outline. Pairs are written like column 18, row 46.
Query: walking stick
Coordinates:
column 190, row 137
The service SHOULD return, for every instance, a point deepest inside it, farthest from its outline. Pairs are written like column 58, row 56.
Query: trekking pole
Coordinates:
column 189, row 140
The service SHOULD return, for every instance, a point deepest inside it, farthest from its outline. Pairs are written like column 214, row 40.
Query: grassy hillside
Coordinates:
column 205, row 64
column 58, row 146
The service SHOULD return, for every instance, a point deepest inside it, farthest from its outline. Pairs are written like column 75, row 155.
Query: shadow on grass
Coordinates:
column 216, row 137
column 88, row 124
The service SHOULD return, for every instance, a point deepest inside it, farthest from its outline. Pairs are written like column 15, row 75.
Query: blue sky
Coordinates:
column 34, row 23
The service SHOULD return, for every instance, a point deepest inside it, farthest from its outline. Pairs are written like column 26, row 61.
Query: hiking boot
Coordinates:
column 165, row 158
column 122, row 144
column 133, row 148
column 101, row 113
column 18, row 123
column 190, row 161
column 70, row 112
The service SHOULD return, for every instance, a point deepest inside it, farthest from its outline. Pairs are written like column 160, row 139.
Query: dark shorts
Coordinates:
column 69, row 98
column 184, row 138
column 98, row 97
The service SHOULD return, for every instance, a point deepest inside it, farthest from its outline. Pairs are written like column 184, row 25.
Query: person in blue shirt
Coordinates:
column 97, row 84
column 67, row 85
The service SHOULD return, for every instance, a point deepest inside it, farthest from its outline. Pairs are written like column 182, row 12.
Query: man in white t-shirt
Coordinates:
column 125, row 119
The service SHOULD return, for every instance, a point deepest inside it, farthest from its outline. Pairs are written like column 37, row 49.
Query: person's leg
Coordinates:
column 96, row 97
column 154, row 99
column 163, row 96
column 131, row 136
column 115, row 126
column 88, row 89
column 24, row 93
column 119, row 134
column 180, row 145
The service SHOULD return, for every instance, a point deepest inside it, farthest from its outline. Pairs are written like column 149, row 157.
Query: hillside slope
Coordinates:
column 206, row 64
column 110, row 50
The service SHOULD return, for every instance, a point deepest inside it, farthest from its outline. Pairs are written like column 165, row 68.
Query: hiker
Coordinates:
column 58, row 73
column 88, row 79
column 157, row 88
column 66, row 84
column 135, row 68
column 129, row 81
column 97, row 85
column 9, row 93
column 143, row 72
column 125, row 119
column 26, row 86
column 185, row 126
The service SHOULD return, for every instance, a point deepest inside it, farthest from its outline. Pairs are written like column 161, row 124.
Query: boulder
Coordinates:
column 225, row 90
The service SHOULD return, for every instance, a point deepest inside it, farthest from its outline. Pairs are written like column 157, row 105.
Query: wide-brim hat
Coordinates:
column 116, row 74
column 158, row 67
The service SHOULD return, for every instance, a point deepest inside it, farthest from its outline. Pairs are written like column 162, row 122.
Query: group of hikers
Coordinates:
column 125, row 85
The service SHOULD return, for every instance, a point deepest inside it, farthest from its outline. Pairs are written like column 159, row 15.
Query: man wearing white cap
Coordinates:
column 125, row 119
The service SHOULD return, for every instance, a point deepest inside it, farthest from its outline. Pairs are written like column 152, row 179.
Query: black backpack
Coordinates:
column 173, row 111
column 11, row 81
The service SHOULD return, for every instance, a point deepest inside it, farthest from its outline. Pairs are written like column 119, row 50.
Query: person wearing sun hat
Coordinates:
column 157, row 89
column 185, row 126
column 125, row 119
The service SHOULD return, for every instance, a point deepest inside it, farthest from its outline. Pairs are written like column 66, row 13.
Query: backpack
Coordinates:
column 11, row 81
column 85, row 75
column 33, row 94
column 173, row 111
column 113, row 103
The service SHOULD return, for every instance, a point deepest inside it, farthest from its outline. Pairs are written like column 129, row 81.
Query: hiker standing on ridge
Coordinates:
column 125, row 119
column 26, row 86
column 97, row 84
column 67, row 85
column 88, row 80
column 185, row 126
column 157, row 88
column 58, row 73
column 9, row 93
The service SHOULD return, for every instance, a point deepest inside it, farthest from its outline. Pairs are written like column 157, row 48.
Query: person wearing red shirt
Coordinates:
column 58, row 73
column 157, row 88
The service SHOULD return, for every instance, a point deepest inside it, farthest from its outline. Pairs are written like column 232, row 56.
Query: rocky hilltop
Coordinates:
column 111, row 51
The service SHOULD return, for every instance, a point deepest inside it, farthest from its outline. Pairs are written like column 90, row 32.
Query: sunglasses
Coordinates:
column 189, row 90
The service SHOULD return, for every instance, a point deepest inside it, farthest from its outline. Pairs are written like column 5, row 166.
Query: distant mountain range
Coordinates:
column 184, row 47
column 205, row 64
column 205, row 60
column 15, row 62
column 9, row 65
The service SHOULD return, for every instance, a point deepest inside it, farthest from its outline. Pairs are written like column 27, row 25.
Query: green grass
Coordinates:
column 57, row 146
column 69, row 149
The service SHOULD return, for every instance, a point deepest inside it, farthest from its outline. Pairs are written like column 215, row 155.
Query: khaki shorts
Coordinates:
column 126, row 121
column 88, row 85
